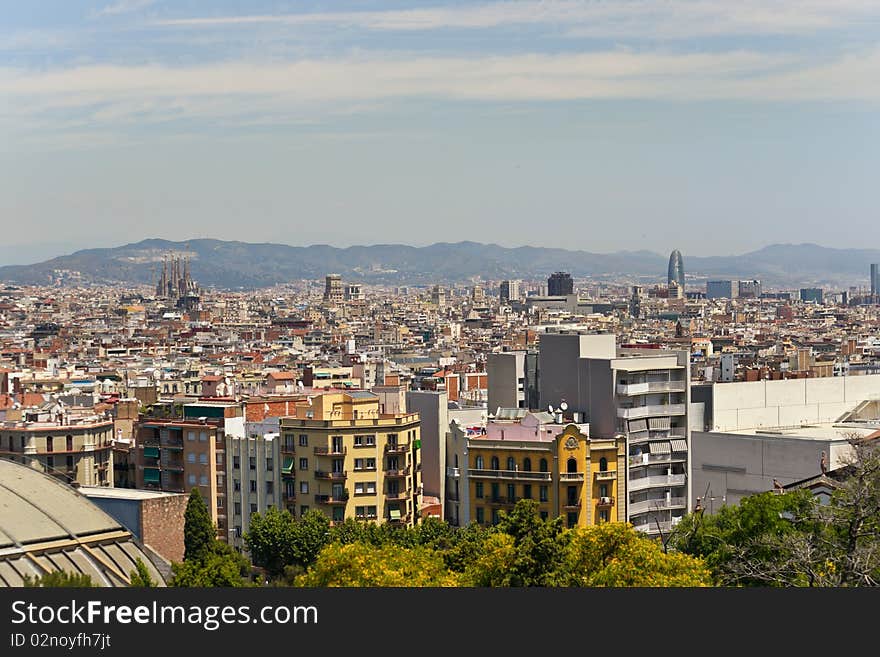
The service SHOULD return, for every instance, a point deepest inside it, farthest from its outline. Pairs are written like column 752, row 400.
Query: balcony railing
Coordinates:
column 647, row 459
column 397, row 473
column 510, row 474
column 329, row 451
column 654, row 527
column 636, row 412
column 605, row 501
column 499, row 500
column 329, row 499
column 571, row 505
column 657, row 480
column 571, row 476
column 399, row 495
column 645, row 436
column 323, row 474
column 650, row 386
column 396, row 448
column 606, row 475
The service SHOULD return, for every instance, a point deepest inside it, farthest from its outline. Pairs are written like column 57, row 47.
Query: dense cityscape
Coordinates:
column 352, row 405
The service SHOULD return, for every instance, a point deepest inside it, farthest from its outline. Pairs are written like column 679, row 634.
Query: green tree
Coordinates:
column 140, row 576
column 59, row 578
column 616, row 555
column 494, row 564
column 538, row 544
column 199, row 534
column 310, row 534
column 271, row 541
column 363, row 565
column 217, row 568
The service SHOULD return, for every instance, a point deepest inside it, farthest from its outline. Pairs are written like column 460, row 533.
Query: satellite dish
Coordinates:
column 563, row 406
column 550, row 408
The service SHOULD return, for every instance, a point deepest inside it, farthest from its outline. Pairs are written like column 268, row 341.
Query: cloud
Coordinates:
column 633, row 18
column 124, row 7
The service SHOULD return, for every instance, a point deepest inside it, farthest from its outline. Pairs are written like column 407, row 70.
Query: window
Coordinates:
column 190, row 435
column 219, row 502
column 603, row 464
column 303, row 440
column 603, row 490
column 481, row 518
column 393, row 487
column 543, row 465
column 527, row 464
column 511, row 463
column 572, row 495
column 511, row 493
column 495, row 463
column 495, row 488
column 543, row 515
column 203, row 480
column 572, row 519
column 69, row 443
column 338, row 514
column 495, row 517
column 238, row 508
column 304, row 487
column 270, row 488
column 289, row 489
column 337, row 465
column 303, row 510
column 603, row 515
column 203, row 436
column 236, row 485
column 270, row 464
column 288, row 443
column 360, row 511
column 359, row 488
column 253, row 486
column 478, row 490
column 238, row 531
column 542, row 493
column 236, row 462
column 370, row 441
column 50, row 462
column 358, row 441
column 191, row 457
column 49, row 444
column 203, row 458
column 70, row 461
column 253, row 508
column 191, row 479
column 571, row 465
column 23, row 440
column 478, row 463
column 371, row 464
column 527, row 491
column 303, row 464
column 371, row 512
column 252, row 462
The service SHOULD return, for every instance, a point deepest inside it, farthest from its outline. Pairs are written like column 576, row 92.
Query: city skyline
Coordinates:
column 600, row 126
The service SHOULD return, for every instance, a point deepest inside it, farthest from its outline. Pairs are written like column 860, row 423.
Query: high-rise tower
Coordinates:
column 676, row 269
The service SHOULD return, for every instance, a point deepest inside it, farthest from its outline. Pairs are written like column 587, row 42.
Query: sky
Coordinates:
column 711, row 126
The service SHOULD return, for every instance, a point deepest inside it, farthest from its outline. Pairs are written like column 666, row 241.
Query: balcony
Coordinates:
column 606, row 475
column 323, row 474
column 172, row 443
column 329, row 499
column 288, row 448
column 455, row 473
column 646, row 387
column 571, row 505
column 402, row 520
column 648, row 459
column 605, row 501
column 652, row 528
column 500, row 501
column 329, row 451
column 396, row 448
column 399, row 495
column 657, row 504
column 397, row 473
column 645, row 436
column 176, row 466
column 657, row 480
column 571, row 476
column 510, row 474
column 636, row 412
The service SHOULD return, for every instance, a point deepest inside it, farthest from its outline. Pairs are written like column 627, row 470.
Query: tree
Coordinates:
column 59, row 578
column 363, row 565
column 199, row 534
column 494, row 565
column 271, row 540
column 140, row 576
column 615, row 554
column 310, row 534
column 537, row 543
column 217, row 568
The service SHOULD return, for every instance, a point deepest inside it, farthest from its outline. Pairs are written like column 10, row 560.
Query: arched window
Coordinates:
column 572, row 465
column 543, row 465
column 511, row 463
column 495, row 463
column 527, row 464
column 603, row 464
column 479, row 463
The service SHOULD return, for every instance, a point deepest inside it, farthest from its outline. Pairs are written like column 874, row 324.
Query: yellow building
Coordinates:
column 345, row 457
column 531, row 456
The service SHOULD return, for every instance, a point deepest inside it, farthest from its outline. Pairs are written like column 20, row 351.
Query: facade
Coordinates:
column 333, row 291
column 432, row 408
column 349, row 460
column 522, row 455
column 559, row 284
column 811, row 294
column 506, row 380
column 353, row 292
column 74, row 450
column 640, row 394
column 875, row 282
column 750, row 289
column 675, row 273
column 509, row 291
column 254, row 483
column 722, row 289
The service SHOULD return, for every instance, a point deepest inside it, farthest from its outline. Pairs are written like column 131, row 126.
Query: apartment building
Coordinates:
column 640, row 394
column 523, row 455
column 348, row 459
column 255, row 483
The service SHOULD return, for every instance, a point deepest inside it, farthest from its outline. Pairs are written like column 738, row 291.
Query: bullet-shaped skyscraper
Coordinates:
column 676, row 269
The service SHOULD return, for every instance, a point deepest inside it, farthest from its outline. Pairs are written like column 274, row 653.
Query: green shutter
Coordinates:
column 287, row 466
column 151, row 475
column 151, row 452
column 417, row 443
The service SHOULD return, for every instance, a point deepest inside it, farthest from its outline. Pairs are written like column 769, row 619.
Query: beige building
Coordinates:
column 344, row 456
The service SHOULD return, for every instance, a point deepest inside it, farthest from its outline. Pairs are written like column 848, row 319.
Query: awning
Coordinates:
column 659, row 423
column 659, row 448
column 394, row 514
column 637, row 425
column 151, row 452
column 287, row 466
column 151, row 475
column 417, row 443
column 679, row 445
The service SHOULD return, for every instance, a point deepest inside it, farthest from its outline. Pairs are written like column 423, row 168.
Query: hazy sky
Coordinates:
column 714, row 126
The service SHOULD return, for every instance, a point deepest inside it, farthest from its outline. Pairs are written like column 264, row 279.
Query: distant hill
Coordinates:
column 226, row 264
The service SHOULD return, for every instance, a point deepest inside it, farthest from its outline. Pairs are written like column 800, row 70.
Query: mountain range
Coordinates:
column 233, row 265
